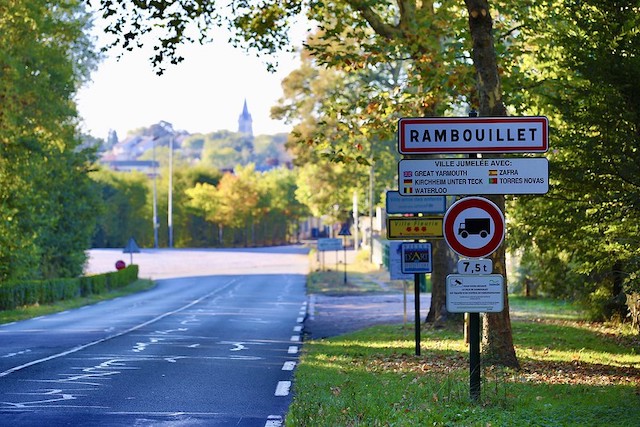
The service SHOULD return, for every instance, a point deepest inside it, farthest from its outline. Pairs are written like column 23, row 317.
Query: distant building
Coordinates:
column 245, row 122
column 124, row 155
column 148, row 167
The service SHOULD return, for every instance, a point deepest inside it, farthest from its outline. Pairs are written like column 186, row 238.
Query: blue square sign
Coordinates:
column 416, row 258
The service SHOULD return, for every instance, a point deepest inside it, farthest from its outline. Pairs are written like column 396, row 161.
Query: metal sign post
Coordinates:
column 131, row 248
column 416, row 293
column 344, row 232
column 474, row 356
column 473, row 227
column 417, row 259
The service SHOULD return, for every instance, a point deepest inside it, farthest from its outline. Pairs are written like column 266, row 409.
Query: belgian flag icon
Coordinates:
column 408, row 186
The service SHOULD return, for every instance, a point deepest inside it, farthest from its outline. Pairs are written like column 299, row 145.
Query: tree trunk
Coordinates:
column 497, row 339
column 443, row 260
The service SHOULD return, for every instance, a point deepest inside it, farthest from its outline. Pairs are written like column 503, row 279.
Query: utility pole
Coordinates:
column 155, row 198
column 170, row 192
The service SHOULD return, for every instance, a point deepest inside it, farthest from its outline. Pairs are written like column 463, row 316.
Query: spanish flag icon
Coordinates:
column 492, row 174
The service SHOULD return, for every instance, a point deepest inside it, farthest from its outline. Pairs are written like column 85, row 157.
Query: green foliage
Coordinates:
column 47, row 200
column 588, row 224
column 249, row 207
column 15, row 294
column 125, row 204
column 29, row 312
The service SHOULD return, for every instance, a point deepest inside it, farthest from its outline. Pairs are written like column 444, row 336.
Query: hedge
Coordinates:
column 22, row 293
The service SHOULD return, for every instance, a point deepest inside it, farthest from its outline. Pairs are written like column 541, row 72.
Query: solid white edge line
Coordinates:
column 100, row 341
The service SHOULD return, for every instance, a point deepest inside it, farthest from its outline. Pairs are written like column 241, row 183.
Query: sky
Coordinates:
column 202, row 94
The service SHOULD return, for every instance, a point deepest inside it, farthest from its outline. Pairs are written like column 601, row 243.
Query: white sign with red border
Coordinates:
column 474, row 227
column 438, row 135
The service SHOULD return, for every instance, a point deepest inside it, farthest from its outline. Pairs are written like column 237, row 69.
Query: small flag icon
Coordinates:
column 408, row 182
column 493, row 172
column 408, row 174
column 493, row 180
column 408, row 190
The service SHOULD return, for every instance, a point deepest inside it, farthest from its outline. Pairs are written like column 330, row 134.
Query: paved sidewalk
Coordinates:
column 329, row 316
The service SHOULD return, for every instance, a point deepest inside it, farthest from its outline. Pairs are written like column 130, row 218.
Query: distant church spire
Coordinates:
column 245, row 121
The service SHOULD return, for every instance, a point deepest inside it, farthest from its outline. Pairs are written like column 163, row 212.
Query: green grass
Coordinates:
column 573, row 373
column 373, row 378
column 22, row 313
column 543, row 307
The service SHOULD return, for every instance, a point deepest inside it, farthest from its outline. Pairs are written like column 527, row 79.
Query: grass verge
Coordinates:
column 28, row 312
column 362, row 277
column 574, row 373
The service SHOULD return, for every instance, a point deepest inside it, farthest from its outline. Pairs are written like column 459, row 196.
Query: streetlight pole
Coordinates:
column 170, row 202
column 155, row 198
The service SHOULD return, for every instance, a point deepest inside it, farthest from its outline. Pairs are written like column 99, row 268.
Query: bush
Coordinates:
column 23, row 293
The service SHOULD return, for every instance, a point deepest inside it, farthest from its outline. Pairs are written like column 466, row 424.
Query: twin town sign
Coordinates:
column 432, row 177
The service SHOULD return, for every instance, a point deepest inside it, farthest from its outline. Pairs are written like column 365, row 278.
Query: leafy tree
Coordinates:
column 249, row 207
column 112, row 140
column 280, row 210
column 191, row 226
column 231, row 204
column 427, row 34
column 588, row 223
column 125, row 199
column 225, row 149
column 270, row 151
column 47, row 199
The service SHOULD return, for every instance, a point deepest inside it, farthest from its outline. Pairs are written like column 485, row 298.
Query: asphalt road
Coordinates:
column 214, row 344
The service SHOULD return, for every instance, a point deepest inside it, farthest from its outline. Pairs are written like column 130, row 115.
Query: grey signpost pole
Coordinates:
column 474, row 336
column 416, row 285
column 474, row 356
column 427, row 135
column 344, row 232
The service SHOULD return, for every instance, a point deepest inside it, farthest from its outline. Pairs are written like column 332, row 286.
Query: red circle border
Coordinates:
column 474, row 202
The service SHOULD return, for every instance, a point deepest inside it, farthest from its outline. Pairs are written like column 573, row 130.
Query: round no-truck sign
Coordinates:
column 474, row 227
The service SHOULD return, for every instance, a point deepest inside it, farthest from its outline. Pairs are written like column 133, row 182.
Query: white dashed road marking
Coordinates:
column 289, row 366
column 283, row 387
column 274, row 421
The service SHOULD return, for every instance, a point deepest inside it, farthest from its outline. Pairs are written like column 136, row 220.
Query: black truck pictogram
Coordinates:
column 481, row 226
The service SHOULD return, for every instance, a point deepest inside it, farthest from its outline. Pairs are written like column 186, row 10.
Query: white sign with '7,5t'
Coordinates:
column 475, row 266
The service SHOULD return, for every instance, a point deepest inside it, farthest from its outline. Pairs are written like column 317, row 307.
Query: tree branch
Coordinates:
column 379, row 26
